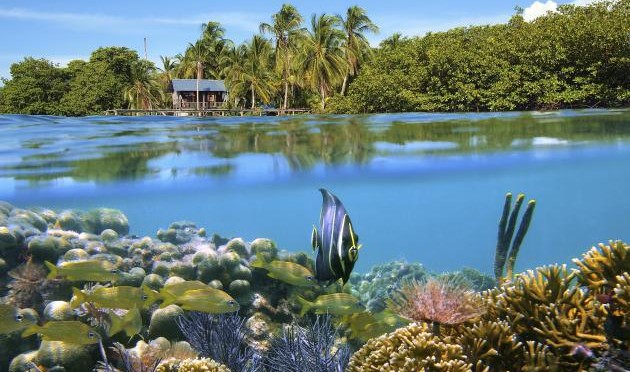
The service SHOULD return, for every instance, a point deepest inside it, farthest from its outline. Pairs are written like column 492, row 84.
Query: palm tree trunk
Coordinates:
column 253, row 98
column 199, row 76
column 322, row 92
column 345, row 82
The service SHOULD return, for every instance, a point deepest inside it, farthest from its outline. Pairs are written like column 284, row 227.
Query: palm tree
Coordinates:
column 286, row 31
column 145, row 91
column 233, row 62
column 193, row 62
column 251, row 70
column 355, row 45
column 323, row 58
column 168, row 69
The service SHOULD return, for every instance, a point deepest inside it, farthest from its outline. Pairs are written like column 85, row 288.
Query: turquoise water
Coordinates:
column 426, row 188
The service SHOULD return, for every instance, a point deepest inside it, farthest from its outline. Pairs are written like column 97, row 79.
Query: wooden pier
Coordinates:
column 207, row 112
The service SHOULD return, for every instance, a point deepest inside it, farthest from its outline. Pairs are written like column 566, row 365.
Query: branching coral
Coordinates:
column 307, row 348
column 491, row 345
column 438, row 301
column 545, row 306
column 409, row 349
column 599, row 267
column 221, row 337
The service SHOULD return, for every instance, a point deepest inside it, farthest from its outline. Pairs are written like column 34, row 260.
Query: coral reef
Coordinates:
column 600, row 266
column 191, row 365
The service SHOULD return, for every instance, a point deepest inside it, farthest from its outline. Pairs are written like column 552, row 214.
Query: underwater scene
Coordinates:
column 389, row 242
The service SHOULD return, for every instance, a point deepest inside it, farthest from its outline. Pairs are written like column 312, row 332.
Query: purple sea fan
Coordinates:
column 437, row 301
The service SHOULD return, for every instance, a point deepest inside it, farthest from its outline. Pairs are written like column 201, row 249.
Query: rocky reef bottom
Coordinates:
column 552, row 318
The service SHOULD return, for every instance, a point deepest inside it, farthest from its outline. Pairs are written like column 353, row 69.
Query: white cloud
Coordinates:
column 538, row 9
column 117, row 24
column 583, row 2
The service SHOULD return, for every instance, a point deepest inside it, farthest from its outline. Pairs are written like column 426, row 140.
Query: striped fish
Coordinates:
column 336, row 242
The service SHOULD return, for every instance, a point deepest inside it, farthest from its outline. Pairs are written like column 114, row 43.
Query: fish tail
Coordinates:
column 30, row 330
column 116, row 324
column 167, row 299
column 54, row 271
column 152, row 297
column 78, row 297
column 306, row 305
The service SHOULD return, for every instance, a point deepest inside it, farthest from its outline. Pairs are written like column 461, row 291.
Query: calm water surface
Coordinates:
column 421, row 187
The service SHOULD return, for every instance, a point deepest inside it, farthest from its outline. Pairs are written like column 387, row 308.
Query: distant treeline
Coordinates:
column 576, row 57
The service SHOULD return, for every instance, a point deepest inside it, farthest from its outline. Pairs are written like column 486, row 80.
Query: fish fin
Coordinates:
column 116, row 324
column 258, row 263
column 167, row 299
column 151, row 297
column 78, row 297
column 54, row 271
column 314, row 240
column 306, row 305
column 30, row 330
column 131, row 328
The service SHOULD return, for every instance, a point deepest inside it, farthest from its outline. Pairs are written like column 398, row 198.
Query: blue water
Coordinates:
column 426, row 188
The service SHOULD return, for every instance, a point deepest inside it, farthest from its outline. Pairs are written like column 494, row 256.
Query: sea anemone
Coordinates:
column 437, row 301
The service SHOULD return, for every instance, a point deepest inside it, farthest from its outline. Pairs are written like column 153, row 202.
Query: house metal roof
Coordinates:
column 205, row 85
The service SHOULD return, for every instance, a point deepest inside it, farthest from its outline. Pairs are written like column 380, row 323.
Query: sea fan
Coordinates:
column 309, row 348
column 438, row 301
column 222, row 338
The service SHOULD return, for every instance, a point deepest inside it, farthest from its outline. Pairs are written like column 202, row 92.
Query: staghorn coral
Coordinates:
column 545, row 306
column 600, row 266
column 409, row 349
column 191, row 365
column 221, row 337
column 438, row 301
column 538, row 358
column 491, row 346
column 307, row 348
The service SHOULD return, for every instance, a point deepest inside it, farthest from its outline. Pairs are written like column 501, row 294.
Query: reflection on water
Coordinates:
column 427, row 188
column 38, row 149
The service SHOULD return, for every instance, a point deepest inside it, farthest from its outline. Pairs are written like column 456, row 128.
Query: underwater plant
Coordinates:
column 507, row 224
column 437, row 301
column 29, row 287
column 221, row 337
column 307, row 348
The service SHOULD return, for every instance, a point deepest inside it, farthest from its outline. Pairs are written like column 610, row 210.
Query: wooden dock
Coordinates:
column 207, row 112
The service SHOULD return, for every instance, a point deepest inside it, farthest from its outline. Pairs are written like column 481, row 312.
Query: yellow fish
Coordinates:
column 131, row 323
column 70, row 331
column 87, row 270
column 123, row 297
column 366, row 325
column 13, row 319
column 208, row 300
column 287, row 272
column 335, row 304
column 178, row 289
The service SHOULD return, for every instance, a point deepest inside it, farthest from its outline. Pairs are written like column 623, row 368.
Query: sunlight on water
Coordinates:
column 420, row 187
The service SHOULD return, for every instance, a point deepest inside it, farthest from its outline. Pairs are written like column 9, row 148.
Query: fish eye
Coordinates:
column 309, row 278
column 113, row 271
column 231, row 302
column 353, row 253
column 91, row 334
column 19, row 317
column 145, row 297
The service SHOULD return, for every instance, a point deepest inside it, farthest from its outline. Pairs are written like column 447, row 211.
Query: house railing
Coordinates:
column 182, row 105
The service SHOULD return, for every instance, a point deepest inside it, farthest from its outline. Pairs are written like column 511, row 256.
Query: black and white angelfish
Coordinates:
column 336, row 242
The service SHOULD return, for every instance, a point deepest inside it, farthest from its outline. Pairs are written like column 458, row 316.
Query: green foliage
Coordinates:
column 577, row 57
column 36, row 88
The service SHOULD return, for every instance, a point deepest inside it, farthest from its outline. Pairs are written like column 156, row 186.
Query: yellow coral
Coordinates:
column 545, row 305
column 411, row 348
column 191, row 365
column 600, row 266
column 491, row 345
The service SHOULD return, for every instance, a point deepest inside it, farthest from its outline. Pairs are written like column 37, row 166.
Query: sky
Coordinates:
column 64, row 30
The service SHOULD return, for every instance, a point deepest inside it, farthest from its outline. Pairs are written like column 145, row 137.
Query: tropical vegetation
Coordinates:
column 576, row 57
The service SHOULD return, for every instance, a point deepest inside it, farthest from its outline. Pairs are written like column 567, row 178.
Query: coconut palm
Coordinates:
column 355, row 45
column 323, row 58
column 193, row 62
column 233, row 62
column 168, row 69
column 286, row 30
column 252, row 71
column 145, row 91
